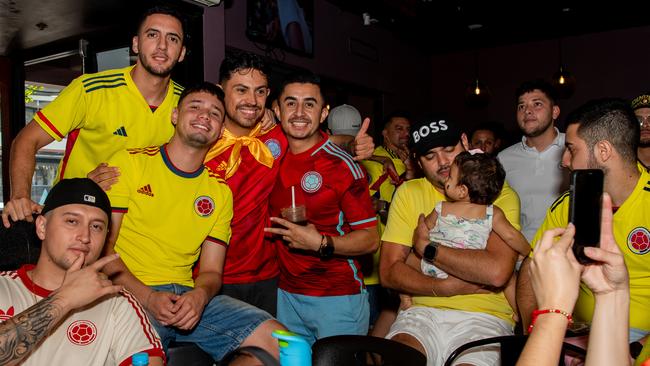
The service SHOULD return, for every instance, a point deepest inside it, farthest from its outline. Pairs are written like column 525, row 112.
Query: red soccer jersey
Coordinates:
column 334, row 190
column 248, row 259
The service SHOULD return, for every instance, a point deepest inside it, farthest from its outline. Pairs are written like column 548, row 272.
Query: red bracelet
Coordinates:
column 538, row 312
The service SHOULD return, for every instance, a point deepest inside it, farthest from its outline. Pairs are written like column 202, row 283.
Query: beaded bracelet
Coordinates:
column 538, row 312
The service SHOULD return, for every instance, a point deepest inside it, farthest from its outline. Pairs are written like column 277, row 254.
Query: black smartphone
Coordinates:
column 585, row 203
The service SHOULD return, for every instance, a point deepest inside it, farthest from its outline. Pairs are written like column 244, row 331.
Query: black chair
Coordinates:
column 187, row 354
column 356, row 350
column 511, row 347
column 19, row 245
column 257, row 352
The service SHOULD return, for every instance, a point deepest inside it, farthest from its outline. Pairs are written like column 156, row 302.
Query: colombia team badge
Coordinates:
column 204, row 206
column 274, row 147
column 311, row 182
column 82, row 332
column 638, row 241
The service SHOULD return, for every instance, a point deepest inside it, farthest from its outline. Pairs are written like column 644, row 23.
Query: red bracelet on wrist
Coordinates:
column 538, row 312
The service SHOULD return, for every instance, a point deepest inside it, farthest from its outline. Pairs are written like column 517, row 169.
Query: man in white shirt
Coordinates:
column 64, row 311
column 533, row 165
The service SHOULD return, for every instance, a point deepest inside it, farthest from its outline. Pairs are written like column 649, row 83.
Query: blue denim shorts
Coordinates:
column 224, row 325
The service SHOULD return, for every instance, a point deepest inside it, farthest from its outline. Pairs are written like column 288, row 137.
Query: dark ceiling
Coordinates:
column 25, row 24
column 435, row 26
column 445, row 26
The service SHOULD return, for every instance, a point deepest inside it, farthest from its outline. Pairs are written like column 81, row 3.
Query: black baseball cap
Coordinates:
column 433, row 132
column 81, row 191
column 642, row 101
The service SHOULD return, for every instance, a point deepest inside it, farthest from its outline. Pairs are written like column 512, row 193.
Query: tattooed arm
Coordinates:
column 22, row 333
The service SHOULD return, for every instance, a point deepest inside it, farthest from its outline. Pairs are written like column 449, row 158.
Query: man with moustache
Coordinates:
column 64, row 311
column 170, row 212
column 641, row 107
column 448, row 312
column 318, row 269
column 533, row 165
column 248, row 157
column 104, row 113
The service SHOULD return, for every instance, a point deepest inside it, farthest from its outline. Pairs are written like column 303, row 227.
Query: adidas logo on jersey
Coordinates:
column 146, row 190
column 120, row 132
column 222, row 166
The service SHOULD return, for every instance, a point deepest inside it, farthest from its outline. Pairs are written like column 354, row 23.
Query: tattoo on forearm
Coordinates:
column 20, row 334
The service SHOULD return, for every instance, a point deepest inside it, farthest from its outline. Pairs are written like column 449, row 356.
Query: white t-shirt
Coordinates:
column 537, row 177
column 107, row 333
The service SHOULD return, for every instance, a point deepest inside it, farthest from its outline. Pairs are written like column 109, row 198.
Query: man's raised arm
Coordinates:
column 24, row 332
column 22, row 163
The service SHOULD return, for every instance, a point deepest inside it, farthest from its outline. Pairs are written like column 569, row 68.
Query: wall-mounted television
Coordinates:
column 284, row 24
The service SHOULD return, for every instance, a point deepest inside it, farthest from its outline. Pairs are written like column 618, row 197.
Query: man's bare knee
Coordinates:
column 261, row 337
column 410, row 341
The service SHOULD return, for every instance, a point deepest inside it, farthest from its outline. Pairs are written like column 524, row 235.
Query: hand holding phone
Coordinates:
column 585, row 204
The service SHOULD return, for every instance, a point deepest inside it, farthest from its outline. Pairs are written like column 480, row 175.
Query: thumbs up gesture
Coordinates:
column 363, row 146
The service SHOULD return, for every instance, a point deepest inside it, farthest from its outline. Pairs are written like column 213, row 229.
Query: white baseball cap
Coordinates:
column 344, row 120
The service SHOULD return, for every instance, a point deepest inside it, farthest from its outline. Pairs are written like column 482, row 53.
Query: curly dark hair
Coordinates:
column 482, row 174
column 237, row 61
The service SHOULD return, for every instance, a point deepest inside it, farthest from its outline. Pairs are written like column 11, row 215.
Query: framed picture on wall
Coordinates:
column 284, row 24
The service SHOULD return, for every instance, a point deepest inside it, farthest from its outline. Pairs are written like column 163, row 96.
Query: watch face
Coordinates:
column 327, row 251
column 430, row 253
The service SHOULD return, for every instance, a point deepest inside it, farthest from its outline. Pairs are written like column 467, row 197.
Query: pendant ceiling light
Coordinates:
column 477, row 94
column 563, row 81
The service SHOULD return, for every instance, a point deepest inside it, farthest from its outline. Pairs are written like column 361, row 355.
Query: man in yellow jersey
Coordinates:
column 447, row 312
column 389, row 165
column 604, row 134
column 170, row 211
column 105, row 112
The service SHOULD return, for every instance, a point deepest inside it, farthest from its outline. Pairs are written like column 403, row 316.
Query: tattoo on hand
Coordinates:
column 22, row 333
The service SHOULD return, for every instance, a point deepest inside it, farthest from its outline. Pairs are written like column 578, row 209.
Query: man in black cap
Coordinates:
column 432, row 327
column 64, row 311
column 641, row 107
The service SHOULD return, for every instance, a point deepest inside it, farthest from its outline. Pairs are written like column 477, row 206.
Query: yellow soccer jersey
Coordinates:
column 632, row 233
column 169, row 213
column 102, row 114
column 419, row 196
column 376, row 170
column 386, row 190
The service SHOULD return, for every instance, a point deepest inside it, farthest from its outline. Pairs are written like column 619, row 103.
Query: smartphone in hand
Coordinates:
column 585, row 204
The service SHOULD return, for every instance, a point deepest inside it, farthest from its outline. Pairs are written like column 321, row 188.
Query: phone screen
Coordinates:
column 584, row 210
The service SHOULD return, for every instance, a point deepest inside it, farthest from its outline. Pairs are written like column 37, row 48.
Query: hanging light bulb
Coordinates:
column 563, row 81
column 477, row 94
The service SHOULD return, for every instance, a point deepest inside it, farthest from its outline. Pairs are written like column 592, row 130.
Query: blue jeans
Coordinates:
column 316, row 317
column 224, row 324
